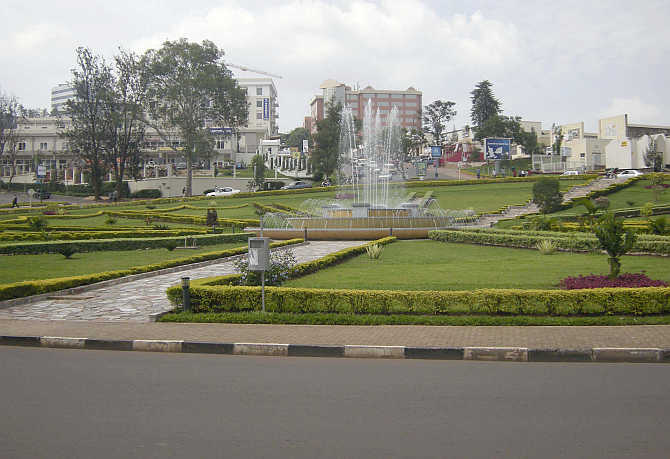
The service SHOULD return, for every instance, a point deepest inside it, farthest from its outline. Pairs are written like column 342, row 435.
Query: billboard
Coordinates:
column 221, row 131
column 497, row 148
column 266, row 109
column 305, row 145
column 435, row 151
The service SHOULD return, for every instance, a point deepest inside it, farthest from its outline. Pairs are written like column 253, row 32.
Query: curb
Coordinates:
column 492, row 354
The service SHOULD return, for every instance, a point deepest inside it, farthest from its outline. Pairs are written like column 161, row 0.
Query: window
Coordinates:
column 259, row 103
column 382, row 104
column 259, row 91
column 396, row 96
column 220, row 144
column 382, row 96
column 43, row 146
column 410, row 104
column 22, row 146
column 410, row 96
column 259, row 115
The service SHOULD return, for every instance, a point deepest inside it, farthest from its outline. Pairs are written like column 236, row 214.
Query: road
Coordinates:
column 81, row 404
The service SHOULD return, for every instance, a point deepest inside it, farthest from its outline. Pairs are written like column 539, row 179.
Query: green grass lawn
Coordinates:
column 635, row 195
column 431, row 265
column 14, row 268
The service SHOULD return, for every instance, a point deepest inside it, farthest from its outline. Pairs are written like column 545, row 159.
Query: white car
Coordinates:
column 225, row 191
column 570, row 173
column 630, row 173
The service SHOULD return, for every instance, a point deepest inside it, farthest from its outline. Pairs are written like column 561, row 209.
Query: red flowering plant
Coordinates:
column 629, row 280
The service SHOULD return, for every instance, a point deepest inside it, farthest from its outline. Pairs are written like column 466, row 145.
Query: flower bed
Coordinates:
column 629, row 280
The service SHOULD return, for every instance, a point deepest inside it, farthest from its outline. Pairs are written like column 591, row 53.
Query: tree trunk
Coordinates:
column 615, row 267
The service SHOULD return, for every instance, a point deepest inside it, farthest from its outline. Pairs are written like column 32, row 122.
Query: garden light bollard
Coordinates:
column 259, row 260
column 185, row 285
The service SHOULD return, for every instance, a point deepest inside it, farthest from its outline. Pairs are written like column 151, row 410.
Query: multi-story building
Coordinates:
column 409, row 102
column 628, row 143
column 40, row 141
column 60, row 94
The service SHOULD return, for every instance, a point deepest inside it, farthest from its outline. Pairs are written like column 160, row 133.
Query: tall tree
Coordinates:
column 435, row 119
column 296, row 136
column 325, row 156
column 484, row 103
column 9, row 118
column 90, row 113
column 126, row 105
column 191, row 84
column 558, row 139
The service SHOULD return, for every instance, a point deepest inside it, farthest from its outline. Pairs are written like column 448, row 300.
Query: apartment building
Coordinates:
column 60, row 94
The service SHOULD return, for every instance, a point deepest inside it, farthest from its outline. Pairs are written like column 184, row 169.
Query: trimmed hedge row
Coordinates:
column 95, row 245
column 532, row 178
column 188, row 219
column 639, row 301
column 28, row 288
column 24, row 236
column 566, row 241
column 646, row 237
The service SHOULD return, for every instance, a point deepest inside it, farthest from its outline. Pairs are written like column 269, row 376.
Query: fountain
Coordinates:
column 368, row 205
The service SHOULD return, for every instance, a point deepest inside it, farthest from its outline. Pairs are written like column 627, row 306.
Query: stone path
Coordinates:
column 137, row 300
column 575, row 192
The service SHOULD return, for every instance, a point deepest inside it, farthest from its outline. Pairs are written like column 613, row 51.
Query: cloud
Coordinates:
column 36, row 37
column 389, row 45
column 638, row 111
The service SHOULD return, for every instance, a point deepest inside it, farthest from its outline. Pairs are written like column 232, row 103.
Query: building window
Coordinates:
column 382, row 96
column 220, row 144
column 259, row 103
column 22, row 146
column 43, row 146
column 259, row 115
column 410, row 104
column 259, row 91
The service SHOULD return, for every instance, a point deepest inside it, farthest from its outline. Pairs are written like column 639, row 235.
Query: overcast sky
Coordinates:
column 549, row 61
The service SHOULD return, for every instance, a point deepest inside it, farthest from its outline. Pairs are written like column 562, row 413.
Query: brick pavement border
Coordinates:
column 498, row 354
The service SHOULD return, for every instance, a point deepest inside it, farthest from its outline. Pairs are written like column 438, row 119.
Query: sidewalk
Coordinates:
column 586, row 337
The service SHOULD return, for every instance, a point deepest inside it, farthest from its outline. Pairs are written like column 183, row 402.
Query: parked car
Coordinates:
column 180, row 166
column 297, row 185
column 630, row 173
column 222, row 191
column 41, row 194
column 570, row 173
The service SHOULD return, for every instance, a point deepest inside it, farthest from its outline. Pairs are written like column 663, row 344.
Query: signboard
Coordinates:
column 435, row 151
column 41, row 171
column 266, row 109
column 421, row 168
column 305, row 145
column 497, row 148
column 221, row 131
column 259, row 253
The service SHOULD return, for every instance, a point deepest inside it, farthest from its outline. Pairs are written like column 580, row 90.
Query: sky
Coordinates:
column 548, row 61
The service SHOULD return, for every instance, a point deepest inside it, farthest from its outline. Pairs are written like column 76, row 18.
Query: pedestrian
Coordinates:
column 183, row 191
column 479, row 174
column 15, row 201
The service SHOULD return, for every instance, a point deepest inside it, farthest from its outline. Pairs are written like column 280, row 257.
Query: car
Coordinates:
column 297, row 185
column 570, row 173
column 222, row 191
column 41, row 194
column 180, row 166
column 629, row 173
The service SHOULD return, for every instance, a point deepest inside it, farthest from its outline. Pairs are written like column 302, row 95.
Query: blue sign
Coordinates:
column 436, row 151
column 497, row 148
column 221, row 131
column 266, row 109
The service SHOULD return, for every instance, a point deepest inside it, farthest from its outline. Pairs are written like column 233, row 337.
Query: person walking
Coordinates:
column 15, row 201
column 479, row 174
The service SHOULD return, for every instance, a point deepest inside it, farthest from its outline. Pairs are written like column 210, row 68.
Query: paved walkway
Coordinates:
column 638, row 336
column 137, row 300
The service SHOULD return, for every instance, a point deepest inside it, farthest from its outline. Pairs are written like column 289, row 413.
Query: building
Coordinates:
column 409, row 102
column 582, row 150
column 60, row 94
column 40, row 140
column 628, row 143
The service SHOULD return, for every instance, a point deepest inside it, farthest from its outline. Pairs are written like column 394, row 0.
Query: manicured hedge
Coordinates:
column 147, row 194
column 22, row 236
column 33, row 248
column 28, row 288
column 566, row 241
column 641, row 301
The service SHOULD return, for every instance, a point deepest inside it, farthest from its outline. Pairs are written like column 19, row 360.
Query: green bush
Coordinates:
column 546, row 194
column 638, row 301
column 147, row 194
column 67, row 251
column 94, row 245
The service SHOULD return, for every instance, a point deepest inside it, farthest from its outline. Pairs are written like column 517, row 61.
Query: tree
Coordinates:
column 653, row 158
column 325, row 156
column 546, row 194
column 296, row 136
column 484, row 104
column 614, row 240
column 9, row 118
column 657, row 180
column 435, row 118
column 501, row 126
column 558, row 139
column 90, row 114
column 258, row 165
column 126, row 105
column 190, row 84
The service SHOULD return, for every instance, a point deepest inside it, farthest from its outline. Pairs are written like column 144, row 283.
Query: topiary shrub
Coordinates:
column 147, row 194
column 67, row 251
column 614, row 240
column 546, row 195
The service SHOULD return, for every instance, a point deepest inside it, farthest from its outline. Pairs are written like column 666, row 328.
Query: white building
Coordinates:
column 60, row 94
column 629, row 142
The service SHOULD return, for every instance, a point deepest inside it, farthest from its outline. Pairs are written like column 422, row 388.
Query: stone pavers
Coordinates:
column 138, row 300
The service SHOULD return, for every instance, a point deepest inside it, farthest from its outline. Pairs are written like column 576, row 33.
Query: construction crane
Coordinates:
column 247, row 69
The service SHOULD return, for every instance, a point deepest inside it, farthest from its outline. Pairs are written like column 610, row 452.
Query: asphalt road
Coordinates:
column 6, row 197
column 105, row 404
